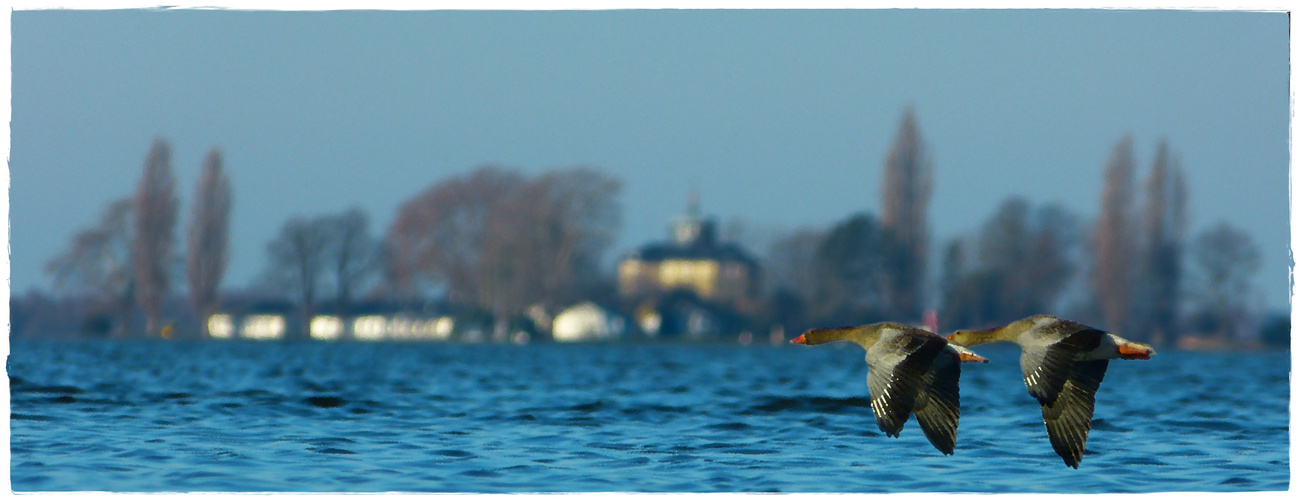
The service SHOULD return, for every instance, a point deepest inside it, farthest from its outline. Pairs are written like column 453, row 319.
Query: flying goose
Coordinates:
column 910, row 370
column 1063, row 363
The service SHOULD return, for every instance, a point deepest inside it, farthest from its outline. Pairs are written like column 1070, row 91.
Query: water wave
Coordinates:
column 139, row 416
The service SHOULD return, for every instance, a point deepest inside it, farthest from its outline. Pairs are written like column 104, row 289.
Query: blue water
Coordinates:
column 154, row 416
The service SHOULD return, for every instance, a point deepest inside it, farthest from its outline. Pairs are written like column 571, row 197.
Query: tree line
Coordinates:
column 1132, row 270
column 129, row 259
column 493, row 240
column 502, row 243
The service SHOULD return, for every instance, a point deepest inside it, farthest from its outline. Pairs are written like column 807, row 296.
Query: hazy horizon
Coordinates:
column 779, row 118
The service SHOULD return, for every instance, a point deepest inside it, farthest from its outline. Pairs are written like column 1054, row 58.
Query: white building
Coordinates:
column 586, row 322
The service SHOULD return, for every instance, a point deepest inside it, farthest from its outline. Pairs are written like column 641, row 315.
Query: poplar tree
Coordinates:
column 906, row 196
column 1160, row 277
column 155, row 225
column 1111, row 276
column 207, row 236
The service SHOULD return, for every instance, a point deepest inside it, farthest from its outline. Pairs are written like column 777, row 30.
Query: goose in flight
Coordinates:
column 1063, row 363
column 910, row 370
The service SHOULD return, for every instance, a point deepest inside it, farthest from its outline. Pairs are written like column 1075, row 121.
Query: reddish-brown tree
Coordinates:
column 502, row 242
column 906, row 196
column 207, row 236
column 1111, row 276
column 438, row 236
column 155, row 226
column 543, row 244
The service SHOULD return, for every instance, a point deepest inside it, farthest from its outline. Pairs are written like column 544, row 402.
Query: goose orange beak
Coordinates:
column 1133, row 352
column 799, row 340
column 972, row 358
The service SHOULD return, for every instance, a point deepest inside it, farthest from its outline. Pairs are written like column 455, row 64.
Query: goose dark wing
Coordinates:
column 1046, row 364
column 1069, row 418
column 938, row 404
column 897, row 367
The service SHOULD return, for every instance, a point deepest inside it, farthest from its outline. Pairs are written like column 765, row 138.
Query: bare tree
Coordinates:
column 297, row 260
column 906, row 196
column 438, row 236
column 1004, row 248
column 1178, row 202
column 577, row 220
column 544, row 243
column 1022, row 268
column 1161, row 247
column 1226, row 260
column 849, row 267
column 1113, row 246
column 155, row 225
column 971, row 293
column 1029, row 251
column 791, row 262
column 99, row 264
column 516, row 241
column 954, row 279
column 353, row 254
column 503, row 242
column 793, row 281
column 1054, row 244
column 207, row 236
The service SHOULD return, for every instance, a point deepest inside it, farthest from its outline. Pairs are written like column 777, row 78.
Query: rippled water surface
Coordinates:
column 141, row 416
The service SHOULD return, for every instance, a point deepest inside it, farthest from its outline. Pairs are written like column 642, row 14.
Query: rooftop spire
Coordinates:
column 691, row 229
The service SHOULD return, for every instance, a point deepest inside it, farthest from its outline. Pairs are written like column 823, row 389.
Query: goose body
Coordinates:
column 1063, row 363
column 910, row 370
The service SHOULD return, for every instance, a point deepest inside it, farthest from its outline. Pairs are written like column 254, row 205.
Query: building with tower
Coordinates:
column 692, row 263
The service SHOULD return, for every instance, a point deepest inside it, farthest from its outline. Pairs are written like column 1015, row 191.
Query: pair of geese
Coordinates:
column 914, row 371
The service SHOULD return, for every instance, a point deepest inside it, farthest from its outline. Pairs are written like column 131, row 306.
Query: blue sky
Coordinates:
column 780, row 118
